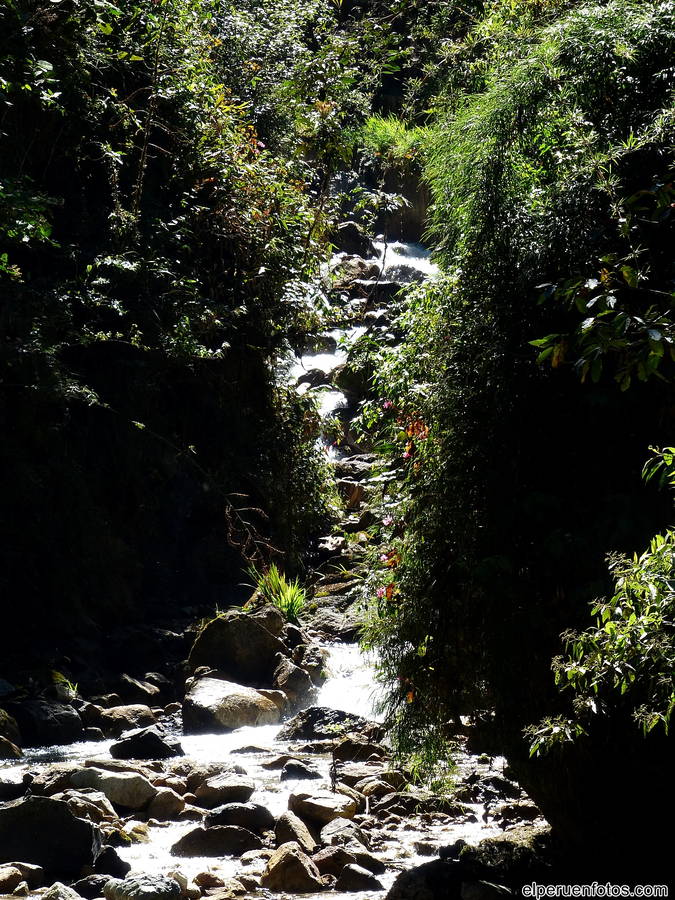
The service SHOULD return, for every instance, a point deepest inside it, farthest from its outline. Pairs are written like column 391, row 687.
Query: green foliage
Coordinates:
column 392, row 142
column 287, row 595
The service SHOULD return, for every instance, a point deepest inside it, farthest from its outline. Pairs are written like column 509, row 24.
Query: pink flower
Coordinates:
column 407, row 455
column 384, row 558
column 387, row 404
column 388, row 520
column 381, row 592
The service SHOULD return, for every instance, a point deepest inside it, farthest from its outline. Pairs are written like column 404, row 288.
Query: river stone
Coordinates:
column 118, row 719
column 289, row 869
column 8, row 750
column 332, row 860
column 8, row 727
column 142, row 887
column 342, row 831
column 290, row 828
column 33, row 875
column 109, row 862
column 145, row 743
column 438, row 878
column 27, row 832
column 356, row 747
column 10, row 878
column 238, row 645
column 94, row 805
column 293, row 681
column 321, row 807
column 166, row 805
column 356, row 878
column 221, row 840
column 59, row 891
column 212, row 704
column 295, row 769
column 133, row 690
column 127, row 789
column 253, row 816
column 92, row 886
column 42, row 723
column 318, row 722
column 224, row 789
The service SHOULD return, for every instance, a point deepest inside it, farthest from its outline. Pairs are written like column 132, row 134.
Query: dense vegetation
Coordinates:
column 166, row 187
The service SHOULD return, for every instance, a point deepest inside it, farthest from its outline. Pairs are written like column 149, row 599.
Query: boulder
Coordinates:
column 60, row 891
column 166, row 805
column 332, row 860
column 118, row 719
column 228, row 788
column 9, row 728
column 271, row 618
column 142, row 887
column 145, row 743
column 342, row 831
column 45, row 832
column 8, row 750
column 349, row 238
column 312, row 659
column 438, row 878
column 10, row 878
column 94, row 805
column 91, row 886
column 318, row 722
column 213, row 704
column 290, row 828
column 289, row 869
column 42, row 723
column 356, row 747
column 252, row 816
column 221, row 840
column 293, row 681
column 109, row 862
column 356, row 878
column 31, row 874
column 294, row 769
column 321, row 807
column 240, row 646
column 127, row 789
column 133, row 690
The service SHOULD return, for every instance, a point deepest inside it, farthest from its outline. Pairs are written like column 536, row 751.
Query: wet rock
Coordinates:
column 336, row 626
column 373, row 787
column 289, row 869
column 349, row 238
column 8, row 750
column 240, row 646
column 332, row 860
column 221, row 840
column 321, row 807
column 252, row 816
column 349, row 269
column 270, row 617
column 145, row 743
column 166, row 805
column 279, row 699
column 438, row 878
column 42, row 723
column 33, row 875
column 320, row 722
column 224, row 789
column 312, row 659
column 213, row 704
column 502, row 786
column 21, row 890
column 514, row 857
column 133, row 690
column 380, row 293
column 356, row 747
column 91, row 886
column 142, row 887
column 298, row 770
column 426, row 848
column 231, row 890
column 314, row 378
column 208, row 880
column 92, row 805
column 127, row 789
column 366, row 860
column 93, row 734
column 59, row 891
column 10, row 878
column 291, row 828
column 342, row 831
column 27, row 830
column 293, row 681
column 9, row 728
column 108, row 862
column 118, row 719
column 356, row 878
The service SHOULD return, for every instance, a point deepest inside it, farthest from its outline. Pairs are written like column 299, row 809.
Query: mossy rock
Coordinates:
column 8, row 728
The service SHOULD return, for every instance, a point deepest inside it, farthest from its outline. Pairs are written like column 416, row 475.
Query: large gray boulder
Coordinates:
column 253, row 816
column 226, row 788
column 45, row 832
column 318, row 722
column 42, row 723
column 293, row 681
column 289, row 869
column 142, row 887
column 321, row 807
column 212, row 704
column 145, row 743
column 221, row 840
column 240, row 646
column 128, row 789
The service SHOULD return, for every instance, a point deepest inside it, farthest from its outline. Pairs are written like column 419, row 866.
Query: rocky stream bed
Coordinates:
column 258, row 767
